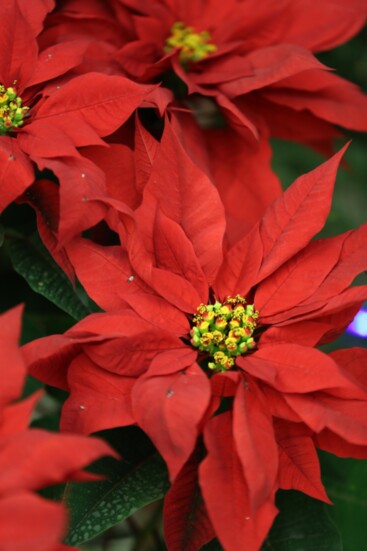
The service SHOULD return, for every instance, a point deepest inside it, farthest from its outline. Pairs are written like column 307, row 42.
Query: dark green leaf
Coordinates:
column 346, row 484
column 97, row 506
column 138, row 480
column 302, row 525
column 213, row 545
column 33, row 262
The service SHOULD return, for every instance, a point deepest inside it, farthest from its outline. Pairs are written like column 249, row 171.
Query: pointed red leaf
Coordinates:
column 36, row 12
column 104, row 102
column 13, row 369
column 346, row 418
column 242, row 174
column 57, row 60
column 255, row 444
column 353, row 360
column 98, row 398
column 331, row 92
column 40, row 139
column 168, row 266
column 330, row 442
column 306, row 333
column 268, row 65
column 43, row 523
column 299, row 279
column 345, row 305
column 295, row 368
column 192, row 202
column 47, row 359
column 287, row 226
column 186, row 523
column 118, row 164
column 16, row 417
column 107, row 276
column 24, row 456
column 146, row 148
column 299, row 467
column 285, row 229
column 80, row 182
column 170, row 407
column 352, row 261
column 336, row 21
column 18, row 46
column 16, row 171
column 240, row 266
column 226, row 493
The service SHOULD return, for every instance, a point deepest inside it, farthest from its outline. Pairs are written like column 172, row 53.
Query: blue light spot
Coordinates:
column 358, row 326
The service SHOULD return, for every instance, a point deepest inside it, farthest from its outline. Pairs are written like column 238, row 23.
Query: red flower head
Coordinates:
column 231, row 74
column 31, row 459
column 45, row 121
column 254, row 59
column 213, row 353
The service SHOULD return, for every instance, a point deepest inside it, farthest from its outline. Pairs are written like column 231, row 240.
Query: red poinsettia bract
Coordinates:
column 254, row 59
column 31, row 459
column 238, row 72
column 212, row 352
column 246, row 71
column 45, row 120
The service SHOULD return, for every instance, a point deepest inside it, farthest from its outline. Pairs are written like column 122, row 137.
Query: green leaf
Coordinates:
column 346, row 485
column 2, row 235
column 129, row 485
column 302, row 525
column 33, row 262
column 213, row 545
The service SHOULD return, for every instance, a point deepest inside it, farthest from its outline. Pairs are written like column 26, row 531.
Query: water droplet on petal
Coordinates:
column 81, row 407
column 85, row 198
column 11, row 157
column 49, row 56
column 83, row 175
column 58, row 87
column 130, row 279
column 247, row 518
column 170, row 393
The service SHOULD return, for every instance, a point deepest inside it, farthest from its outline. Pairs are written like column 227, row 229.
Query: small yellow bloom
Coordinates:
column 193, row 46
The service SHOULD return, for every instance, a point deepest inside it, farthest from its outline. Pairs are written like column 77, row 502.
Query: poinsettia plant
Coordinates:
column 181, row 275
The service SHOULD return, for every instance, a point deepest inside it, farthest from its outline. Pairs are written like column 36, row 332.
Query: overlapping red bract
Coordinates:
column 263, row 59
column 65, row 114
column 31, row 459
column 134, row 363
column 264, row 79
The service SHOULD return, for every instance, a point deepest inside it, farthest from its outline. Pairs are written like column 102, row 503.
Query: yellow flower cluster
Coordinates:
column 193, row 46
column 11, row 110
column 224, row 330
